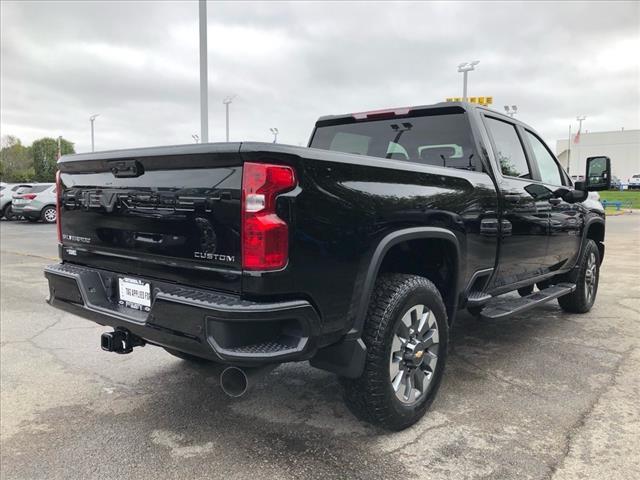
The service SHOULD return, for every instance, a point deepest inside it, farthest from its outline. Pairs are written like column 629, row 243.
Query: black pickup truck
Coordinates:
column 355, row 253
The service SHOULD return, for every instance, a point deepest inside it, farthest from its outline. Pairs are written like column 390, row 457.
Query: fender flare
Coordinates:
column 587, row 225
column 347, row 357
column 389, row 241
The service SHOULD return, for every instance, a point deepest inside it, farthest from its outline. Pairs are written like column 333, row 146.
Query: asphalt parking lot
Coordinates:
column 546, row 395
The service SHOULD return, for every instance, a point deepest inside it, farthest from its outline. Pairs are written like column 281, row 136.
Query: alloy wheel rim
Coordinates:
column 591, row 277
column 414, row 354
column 50, row 215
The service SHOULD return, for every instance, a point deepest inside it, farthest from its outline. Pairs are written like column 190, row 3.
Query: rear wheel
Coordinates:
column 586, row 278
column 406, row 337
column 49, row 215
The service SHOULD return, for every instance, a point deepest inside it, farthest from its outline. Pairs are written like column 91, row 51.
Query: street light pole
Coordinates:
column 569, row 152
column 204, row 82
column 226, row 102
column 92, row 119
column 465, row 68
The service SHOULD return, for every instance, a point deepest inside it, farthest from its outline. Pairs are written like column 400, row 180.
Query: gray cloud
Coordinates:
column 136, row 63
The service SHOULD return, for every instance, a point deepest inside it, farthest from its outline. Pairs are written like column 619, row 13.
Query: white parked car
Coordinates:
column 634, row 182
column 36, row 203
column 6, row 196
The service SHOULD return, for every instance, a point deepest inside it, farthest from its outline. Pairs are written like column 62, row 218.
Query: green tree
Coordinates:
column 16, row 160
column 45, row 156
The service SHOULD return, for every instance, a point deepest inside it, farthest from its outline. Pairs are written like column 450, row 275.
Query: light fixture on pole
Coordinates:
column 92, row 119
column 195, row 137
column 465, row 68
column 204, row 82
column 226, row 102
column 511, row 110
column 275, row 132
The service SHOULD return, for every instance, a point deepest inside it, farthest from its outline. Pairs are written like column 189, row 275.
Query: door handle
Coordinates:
column 555, row 201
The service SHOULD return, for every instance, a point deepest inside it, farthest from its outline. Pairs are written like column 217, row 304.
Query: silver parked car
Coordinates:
column 37, row 202
column 6, row 196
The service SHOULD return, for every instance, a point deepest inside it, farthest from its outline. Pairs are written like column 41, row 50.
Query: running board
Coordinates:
column 478, row 299
column 505, row 307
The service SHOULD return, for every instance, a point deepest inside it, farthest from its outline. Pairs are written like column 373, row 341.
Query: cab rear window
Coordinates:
column 440, row 140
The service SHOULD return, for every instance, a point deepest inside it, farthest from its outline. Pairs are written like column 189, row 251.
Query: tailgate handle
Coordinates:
column 148, row 238
column 127, row 169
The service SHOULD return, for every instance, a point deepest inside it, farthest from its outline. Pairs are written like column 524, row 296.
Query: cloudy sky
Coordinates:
column 136, row 64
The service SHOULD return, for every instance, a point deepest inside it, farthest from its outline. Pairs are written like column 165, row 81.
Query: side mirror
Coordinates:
column 571, row 195
column 598, row 174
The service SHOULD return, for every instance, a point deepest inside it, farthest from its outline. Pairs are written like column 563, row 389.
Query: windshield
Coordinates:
column 441, row 140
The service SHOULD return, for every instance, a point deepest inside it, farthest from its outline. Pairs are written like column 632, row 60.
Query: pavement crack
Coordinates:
column 582, row 419
column 418, row 438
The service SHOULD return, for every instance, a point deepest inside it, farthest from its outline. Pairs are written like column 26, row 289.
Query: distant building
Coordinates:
column 621, row 146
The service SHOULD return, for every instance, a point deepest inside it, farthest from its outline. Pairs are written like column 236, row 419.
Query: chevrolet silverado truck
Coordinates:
column 354, row 254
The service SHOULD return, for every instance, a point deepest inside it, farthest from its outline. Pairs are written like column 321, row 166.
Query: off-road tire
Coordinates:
column 188, row 357
column 371, row 396
column 579, row 301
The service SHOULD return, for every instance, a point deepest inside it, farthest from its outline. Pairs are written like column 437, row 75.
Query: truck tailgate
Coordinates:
column 157, row 213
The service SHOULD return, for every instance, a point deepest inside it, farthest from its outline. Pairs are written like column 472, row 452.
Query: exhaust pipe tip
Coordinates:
column 234, row 382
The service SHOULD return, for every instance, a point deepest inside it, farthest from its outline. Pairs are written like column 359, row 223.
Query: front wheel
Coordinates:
column 586, row 278
column 406, row 336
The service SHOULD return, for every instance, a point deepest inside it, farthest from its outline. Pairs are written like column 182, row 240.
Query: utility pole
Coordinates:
column 227, row 101
column 465, row 68
column 275, row 132
column 569, row 152
column 92, row 119
column 204, row 82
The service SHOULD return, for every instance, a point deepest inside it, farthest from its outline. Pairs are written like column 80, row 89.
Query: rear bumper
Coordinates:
column 26, row 210
column 217, row 326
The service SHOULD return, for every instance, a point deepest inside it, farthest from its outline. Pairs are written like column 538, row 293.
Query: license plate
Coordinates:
column 135, row 293
column 17, row 201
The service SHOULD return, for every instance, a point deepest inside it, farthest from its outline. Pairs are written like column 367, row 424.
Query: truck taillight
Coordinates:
column 265, row 236
column 58, row 199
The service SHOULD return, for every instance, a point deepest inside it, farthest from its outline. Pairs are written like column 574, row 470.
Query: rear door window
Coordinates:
column 508, row 148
